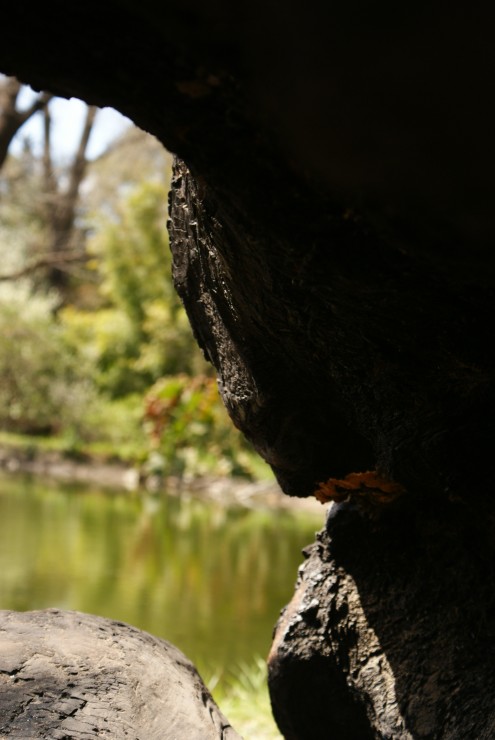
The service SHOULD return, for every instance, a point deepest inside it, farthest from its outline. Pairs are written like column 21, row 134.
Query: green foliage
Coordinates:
column 140, row 331
column 117, row 366
column 190, row 431
column 132, row 253
column 106, row 341
column 244, row 699
column 21, row 223
column 43, row 387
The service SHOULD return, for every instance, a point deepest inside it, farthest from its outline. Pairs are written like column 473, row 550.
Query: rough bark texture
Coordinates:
column 337, row 351
column 259, row 322
column 391, row 630
column 72, row 676
column 342, row 162
column 332, row 229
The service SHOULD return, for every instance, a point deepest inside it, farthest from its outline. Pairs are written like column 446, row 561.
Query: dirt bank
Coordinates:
column 90, row 470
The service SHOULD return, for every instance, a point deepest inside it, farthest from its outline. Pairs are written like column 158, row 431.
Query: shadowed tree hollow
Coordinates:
column 332, row 234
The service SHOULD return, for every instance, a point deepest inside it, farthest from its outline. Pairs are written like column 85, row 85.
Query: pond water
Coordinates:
column 209, row 579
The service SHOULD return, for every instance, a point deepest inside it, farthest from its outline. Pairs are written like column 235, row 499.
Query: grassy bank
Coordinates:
column 245, row 702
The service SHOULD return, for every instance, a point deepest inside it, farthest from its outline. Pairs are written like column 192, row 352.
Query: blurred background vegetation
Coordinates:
column 97, row 360
column 97, row 352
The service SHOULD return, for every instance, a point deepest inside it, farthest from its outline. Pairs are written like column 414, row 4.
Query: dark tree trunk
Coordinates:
column 343, row 356
column 392, row 628
column 332, row 229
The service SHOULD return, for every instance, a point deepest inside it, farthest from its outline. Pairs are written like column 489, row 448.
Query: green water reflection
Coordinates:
column 208, row 579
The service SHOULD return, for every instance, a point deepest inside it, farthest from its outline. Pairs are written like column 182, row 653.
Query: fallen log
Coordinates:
column 65, row 675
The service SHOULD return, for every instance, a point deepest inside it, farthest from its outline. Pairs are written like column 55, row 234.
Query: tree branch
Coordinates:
column 50, row 260
column 62, row 203
column 11, row 118
column 80, row 162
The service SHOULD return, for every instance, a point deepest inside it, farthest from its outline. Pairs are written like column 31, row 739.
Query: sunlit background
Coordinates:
column 68, row 117
column 99, row 371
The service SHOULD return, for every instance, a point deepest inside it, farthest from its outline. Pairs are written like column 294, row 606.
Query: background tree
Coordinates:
column 42, row 190
column 12, row 117
column 98, row 350
column 61, row 198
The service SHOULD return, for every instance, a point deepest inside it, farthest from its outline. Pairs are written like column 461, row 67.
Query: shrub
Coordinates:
column 190, row 431
column 43, row 387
